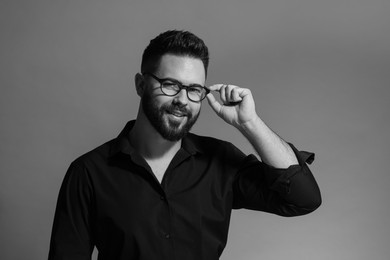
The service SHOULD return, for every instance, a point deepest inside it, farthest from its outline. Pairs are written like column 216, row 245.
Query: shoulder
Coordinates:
column 94, row 157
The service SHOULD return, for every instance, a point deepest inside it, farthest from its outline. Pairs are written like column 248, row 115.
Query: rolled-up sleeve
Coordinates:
column 285, row 192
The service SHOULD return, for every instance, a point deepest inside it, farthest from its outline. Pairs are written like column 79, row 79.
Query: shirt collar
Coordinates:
column 122, row 144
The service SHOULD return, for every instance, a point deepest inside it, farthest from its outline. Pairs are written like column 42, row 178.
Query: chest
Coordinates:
column 159, row 167
column 131, row 194
column 193, row 203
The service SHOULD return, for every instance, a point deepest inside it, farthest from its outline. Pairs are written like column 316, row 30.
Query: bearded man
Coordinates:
column 158, row 191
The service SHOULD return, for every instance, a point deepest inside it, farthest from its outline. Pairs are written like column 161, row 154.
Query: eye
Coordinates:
column 196, row 89
column 170, row 85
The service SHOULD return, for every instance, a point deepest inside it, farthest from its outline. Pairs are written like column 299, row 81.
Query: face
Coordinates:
column 174, row 116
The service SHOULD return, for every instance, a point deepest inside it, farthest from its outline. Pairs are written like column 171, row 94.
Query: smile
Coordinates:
column 177, row 113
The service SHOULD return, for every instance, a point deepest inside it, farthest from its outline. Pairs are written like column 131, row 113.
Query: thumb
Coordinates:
column 215, row 105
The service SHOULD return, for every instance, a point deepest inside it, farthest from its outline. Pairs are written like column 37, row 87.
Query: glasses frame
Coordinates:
column 180, row 85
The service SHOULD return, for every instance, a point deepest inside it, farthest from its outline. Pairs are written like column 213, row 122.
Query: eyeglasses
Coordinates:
column 171, row 87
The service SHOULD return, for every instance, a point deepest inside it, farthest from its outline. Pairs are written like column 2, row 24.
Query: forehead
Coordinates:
column 187, row 70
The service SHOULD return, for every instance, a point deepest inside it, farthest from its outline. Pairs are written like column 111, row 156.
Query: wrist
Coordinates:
column 251, row 125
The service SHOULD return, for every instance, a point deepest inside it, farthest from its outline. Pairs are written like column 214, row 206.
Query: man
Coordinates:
column 159, row 192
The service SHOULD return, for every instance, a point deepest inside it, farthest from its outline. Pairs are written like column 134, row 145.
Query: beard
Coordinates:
column 159, row 117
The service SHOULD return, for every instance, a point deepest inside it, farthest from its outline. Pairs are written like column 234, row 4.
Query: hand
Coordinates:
column 238, row 106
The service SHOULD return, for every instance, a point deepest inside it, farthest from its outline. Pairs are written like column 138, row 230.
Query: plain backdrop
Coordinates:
column 319, row 72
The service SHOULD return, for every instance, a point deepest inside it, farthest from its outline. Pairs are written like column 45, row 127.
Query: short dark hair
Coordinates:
column 182, row 43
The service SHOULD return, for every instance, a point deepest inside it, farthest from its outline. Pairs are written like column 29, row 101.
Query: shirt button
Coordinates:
column 167, row 236
column 162, row 198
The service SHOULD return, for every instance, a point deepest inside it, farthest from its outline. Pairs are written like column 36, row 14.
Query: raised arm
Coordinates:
column 282, row 184
column 238, row 110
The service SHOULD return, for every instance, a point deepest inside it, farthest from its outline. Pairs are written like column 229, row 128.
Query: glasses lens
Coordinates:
column 196, row 93
column 170, row 88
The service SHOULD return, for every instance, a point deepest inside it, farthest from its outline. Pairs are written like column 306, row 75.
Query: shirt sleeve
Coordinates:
column 71, row 234
column 285, row 192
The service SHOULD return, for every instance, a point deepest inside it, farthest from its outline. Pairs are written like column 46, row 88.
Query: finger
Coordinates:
column 222, row 93
column 228, row 93
column 230, row 89
column 215, row 87
column 235, row 96
column 242, row 92
column 215, row 105
column 232, row 95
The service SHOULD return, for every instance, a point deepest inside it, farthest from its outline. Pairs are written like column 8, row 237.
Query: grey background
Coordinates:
column 319, row 71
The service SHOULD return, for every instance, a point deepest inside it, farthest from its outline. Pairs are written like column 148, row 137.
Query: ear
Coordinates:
column 139, row 84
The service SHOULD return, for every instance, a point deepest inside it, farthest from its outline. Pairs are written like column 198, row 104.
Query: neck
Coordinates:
column 149, row 143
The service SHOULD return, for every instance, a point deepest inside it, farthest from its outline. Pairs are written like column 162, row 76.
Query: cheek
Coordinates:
column 161, row 100
column 195, row 108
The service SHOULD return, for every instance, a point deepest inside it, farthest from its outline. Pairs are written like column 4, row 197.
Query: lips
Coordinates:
column 178, row 113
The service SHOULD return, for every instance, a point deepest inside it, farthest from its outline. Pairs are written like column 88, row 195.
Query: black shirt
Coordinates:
column 111, row 199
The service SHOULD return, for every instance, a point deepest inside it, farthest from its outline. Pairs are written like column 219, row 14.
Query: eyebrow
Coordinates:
column 177, row 81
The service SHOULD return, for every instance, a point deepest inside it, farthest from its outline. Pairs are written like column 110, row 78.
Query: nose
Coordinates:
column 181, row 97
